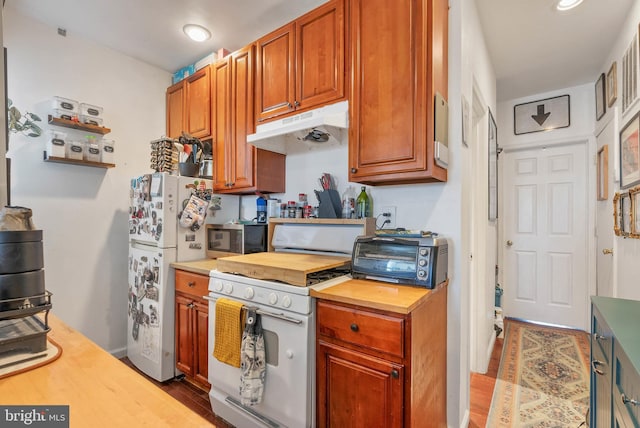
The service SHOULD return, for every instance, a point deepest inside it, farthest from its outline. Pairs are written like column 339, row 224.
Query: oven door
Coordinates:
column 289, row 390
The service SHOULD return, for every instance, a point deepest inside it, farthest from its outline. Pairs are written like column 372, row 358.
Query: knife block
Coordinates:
column 330, row 205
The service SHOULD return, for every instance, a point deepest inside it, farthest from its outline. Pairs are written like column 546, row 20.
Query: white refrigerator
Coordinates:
column 167, row 216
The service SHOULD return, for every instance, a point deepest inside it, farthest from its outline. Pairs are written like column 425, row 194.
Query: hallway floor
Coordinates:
column 482, row 389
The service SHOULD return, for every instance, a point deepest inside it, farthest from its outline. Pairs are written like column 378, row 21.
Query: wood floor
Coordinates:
column 191, row 396
column 482, row 389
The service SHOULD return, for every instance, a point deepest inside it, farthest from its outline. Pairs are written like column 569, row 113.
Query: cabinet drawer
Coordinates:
column 626, row 386
column 192, row 283
column 363, row 328
column 601, row 337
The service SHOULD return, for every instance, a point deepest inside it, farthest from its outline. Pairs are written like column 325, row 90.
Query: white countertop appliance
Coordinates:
column 161, row 232
column 278, row 284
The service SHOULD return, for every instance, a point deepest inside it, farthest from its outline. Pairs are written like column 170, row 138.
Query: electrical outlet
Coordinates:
column 392, row 216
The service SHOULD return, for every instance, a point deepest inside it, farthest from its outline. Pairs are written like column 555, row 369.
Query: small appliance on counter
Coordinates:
column 413, row 259
column 232, row 239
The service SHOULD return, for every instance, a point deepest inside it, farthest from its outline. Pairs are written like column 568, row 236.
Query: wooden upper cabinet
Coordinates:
column 189, row 106
column 198, row 103
column 275, row 84
column 302, row 64
column 239, row 166
column 399, row 61
column 175, row 110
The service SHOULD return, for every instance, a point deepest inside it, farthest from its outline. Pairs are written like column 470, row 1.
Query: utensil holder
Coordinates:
column 330, row 205
column 189, row 169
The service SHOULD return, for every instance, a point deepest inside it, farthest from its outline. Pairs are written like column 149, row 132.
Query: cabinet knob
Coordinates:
column 596, row 370
column 354, row 170
column 191, row 283
column 627, row 400
column 597, row 336
column 354, row 327
column 190, row 306
column 289, row 105
column 297, row 103
column 395, row 374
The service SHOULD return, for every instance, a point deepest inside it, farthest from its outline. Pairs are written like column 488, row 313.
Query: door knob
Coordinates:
column 607, row 251
column 509, row 243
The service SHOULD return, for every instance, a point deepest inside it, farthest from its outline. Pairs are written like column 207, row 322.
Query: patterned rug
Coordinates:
column 543, row 379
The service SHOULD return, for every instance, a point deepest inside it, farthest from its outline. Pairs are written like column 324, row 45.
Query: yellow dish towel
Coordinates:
column 228, row 334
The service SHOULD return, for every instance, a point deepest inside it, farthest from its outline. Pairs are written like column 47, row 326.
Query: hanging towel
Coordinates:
column 254, row 364
column 228, row 331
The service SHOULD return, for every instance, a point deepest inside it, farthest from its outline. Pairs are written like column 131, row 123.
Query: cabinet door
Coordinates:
column 275, row 82
column 391, row 106
column 356, row 390
column 242, row 118
column 184, row 334
column 200, row 339
column 198, row 103
column 175, row 109
column 220, row 105
column 320, row 47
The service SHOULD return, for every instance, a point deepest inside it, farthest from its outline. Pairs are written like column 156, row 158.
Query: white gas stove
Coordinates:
column 288, row 321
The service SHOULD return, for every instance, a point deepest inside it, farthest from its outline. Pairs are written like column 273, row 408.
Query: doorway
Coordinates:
column 546, row 233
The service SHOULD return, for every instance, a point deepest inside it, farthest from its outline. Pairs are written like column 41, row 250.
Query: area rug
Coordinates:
column 543, row 379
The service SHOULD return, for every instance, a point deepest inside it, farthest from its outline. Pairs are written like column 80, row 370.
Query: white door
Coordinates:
column 604, row 211
column 545, row 269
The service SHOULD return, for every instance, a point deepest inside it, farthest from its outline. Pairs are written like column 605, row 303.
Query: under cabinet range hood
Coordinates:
column 324, row 126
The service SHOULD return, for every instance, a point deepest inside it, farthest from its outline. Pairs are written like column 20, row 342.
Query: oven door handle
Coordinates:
column 263, row 312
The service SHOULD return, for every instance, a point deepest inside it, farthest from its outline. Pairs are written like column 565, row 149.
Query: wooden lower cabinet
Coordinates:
column 192, row 327
column 381, row 369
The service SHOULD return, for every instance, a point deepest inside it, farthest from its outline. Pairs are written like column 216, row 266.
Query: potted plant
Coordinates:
column 23, row 123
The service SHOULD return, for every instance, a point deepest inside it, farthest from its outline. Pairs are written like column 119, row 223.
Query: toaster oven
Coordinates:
column 421, row 261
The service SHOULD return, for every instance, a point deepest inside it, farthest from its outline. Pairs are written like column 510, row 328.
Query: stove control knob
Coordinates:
column 248, row 293
column 421, row 274
column 289, row 354
column 422, row 262
column 273, row 298
column 286, row 301
column 217, row 285
column 228, row 288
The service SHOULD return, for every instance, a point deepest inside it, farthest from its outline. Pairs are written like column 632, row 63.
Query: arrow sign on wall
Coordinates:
column 541, row 115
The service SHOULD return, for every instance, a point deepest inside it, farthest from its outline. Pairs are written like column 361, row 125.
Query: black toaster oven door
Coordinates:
column 395, row 259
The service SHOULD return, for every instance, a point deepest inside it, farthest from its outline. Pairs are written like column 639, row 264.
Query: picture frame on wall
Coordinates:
column 612, row 84
column 603, row 173
column 493, row 168
column 601, row 106
column 617, row 217
column 465, row 121
column 634, row 196
column 625, row 214
column 630, row 74
column 630, row 153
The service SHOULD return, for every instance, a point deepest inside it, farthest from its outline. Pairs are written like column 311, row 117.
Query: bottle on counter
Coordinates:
column 261, row 209
column 348, row 203
column 363, row 204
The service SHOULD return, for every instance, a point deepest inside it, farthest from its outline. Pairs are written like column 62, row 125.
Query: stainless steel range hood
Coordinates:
column 325, row 126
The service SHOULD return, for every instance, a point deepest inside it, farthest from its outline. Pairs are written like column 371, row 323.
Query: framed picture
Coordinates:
column 630, row 74
column 601, row 106
column 617, row 220
column 603, row 173
column 493, row 168
column 634, row 195
column 612, row 84
column 625, row 214
column 629, row 154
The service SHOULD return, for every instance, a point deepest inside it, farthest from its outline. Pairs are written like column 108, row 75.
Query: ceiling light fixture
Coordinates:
column 567, row 4
column 196, row 32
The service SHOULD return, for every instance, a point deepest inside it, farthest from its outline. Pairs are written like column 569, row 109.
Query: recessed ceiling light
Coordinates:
column 567, row 4
column 196, row 32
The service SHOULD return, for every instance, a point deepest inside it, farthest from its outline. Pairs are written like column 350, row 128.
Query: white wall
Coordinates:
column 626, row 251
column 83, row 211
column 3, row 125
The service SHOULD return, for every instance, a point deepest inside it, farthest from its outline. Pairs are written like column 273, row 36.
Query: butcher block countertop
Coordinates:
column 401, row 299
column 202, row 267
column 291, row 268
column 100, row 390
